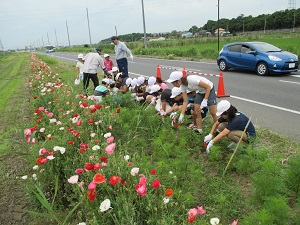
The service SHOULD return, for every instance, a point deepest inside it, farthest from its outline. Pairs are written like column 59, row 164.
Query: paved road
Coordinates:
column 272, row 101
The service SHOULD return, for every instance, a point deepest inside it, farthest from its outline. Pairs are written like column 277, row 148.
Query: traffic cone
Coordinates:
column 158, row 74
column 221, row 89
column 184, row 72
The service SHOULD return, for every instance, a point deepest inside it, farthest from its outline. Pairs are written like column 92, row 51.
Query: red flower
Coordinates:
column 96, row 141
column 190, row 220
column 235, row 222
column 70, row 142
column 75, row 115
column 89, row 166
column 156, row 183
column 79, row 171
column 93, row 110
column 153, row 172
column 169, row 192
column 114, row 180
column 118, row 110
column 98, row 106
column 103, row 159
column 97, row 166
column 91, row 194
column 79, row 123
column 91, row 121
column 123, row 182
column 99, row 178
column 35, row 97
column 41, row 160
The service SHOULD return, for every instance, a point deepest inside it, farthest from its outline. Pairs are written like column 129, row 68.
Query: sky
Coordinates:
column 41, row 22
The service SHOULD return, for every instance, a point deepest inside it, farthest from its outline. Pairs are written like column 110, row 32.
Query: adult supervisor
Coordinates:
column 92, row 61
column 121, row 51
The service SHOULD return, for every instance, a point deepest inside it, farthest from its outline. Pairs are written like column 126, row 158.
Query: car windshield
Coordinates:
column 265, row 47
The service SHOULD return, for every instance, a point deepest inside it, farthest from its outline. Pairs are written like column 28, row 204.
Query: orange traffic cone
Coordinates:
column 221, row 88
column 184, row 72
column 158, row 74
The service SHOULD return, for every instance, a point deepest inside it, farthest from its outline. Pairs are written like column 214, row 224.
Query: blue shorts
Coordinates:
column 212, row 99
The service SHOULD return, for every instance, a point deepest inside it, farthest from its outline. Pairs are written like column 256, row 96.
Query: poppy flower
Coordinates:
column 105, row 205
column 114, row 180
column 89, row 166
column 92, row 186
column 153, row 172
column 73, row 179
column 91, row 195
column 97, row 166
column 110, row 139
column 235, row 222
column 110, row 148
column 91, row 121
column 190, row 220
column 99, row 178
column 156, row 183
column 79, row 171
column 103, row 159
column 169, row 192
column 141, row 189
column 118, row 110
column 98, row 106
column 41, row 160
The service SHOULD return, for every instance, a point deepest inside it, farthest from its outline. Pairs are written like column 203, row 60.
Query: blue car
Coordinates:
column 261, row 57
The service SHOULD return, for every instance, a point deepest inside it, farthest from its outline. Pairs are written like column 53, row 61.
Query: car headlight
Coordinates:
column 274, row 58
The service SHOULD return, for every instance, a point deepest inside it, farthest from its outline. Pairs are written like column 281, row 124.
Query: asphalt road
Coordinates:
column 272, row 101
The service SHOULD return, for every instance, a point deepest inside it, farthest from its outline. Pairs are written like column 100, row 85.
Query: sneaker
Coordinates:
column 198, row 131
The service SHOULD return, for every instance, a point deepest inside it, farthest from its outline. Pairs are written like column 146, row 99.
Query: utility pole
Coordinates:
column 116, row 31
column 292, row 5
column 68, row 33
column 48, row 39
column 218, row 25
column 1, row 46
column 144, row 25
column 265, row 25
column 55, row 37
column 87, row 15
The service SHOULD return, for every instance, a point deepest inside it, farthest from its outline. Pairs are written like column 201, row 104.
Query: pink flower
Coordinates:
column 192, row 212
column 141, row 189
column 110, row 148
column 79, row 171
column 92, row 186
column 110, row 139
column 201, row 211
column 235, row 222
column 27, row 134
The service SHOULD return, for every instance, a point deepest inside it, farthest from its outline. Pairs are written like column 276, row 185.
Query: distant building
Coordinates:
column 222, row 32
column 187, row 34
column 157, row 39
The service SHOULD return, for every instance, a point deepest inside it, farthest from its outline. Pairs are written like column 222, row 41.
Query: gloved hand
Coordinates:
column 210, row 144
column 208, row 138
column 131, row 57
column 152, row 101
column 203, row 104
column 173, row 115
column 162, row 112
column 188, row 106
column 133, row 94
column 180, row 120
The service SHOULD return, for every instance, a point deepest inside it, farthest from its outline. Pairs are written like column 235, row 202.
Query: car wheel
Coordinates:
column 222, row 65
column 262, row 69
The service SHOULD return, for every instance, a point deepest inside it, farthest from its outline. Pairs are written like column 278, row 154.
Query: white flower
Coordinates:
column 96, row 147
column 42, row 129
column 105, row 205
column 75, row 119
column 170, row 172
column 82, row 223
column 166, row 200
column 73, row 179
column 126, row 157
column 92, row 134
column 50, row 157
column 134, row 171
column 24, row 177
column 52, row 120
column 34, row 176
column 61, row 128
column 107, row 135
column 44, row 89
column 214, row 221
column 58, row 148
column 35, row 167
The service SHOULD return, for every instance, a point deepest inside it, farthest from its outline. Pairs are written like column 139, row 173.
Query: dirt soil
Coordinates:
column 13, row 199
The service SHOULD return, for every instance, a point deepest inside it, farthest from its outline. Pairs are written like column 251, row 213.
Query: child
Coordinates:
column 79, row 67
column 108, row 63
column 101, row 90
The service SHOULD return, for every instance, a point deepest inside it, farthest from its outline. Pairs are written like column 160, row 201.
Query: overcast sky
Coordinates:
column 31, row 22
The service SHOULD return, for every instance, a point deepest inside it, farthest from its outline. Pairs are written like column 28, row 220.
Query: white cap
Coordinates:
column 188, row 90
column 175, row 92
column 222, row 106
column 105, row 55
column 151, row 81
column 128, row 81
column 106, row 80
column 174, row 76
column 114, row 69
column 80, row 56
column 140, row 80
column 118, row 75
column 154, row 88
column 133, row 82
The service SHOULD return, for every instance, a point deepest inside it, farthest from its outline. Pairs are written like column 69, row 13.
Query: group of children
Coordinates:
column 192, row 95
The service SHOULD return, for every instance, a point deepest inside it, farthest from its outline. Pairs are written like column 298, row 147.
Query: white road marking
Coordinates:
column 289, row 82
column 267, row 105
column 295, row 76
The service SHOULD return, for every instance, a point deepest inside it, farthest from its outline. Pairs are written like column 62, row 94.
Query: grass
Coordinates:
column 245, row 192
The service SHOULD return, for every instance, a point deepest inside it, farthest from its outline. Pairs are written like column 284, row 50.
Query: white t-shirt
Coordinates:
column 193, row 84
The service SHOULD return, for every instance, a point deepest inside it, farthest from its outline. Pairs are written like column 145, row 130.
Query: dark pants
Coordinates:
column 123, row 66
column 86, row 80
